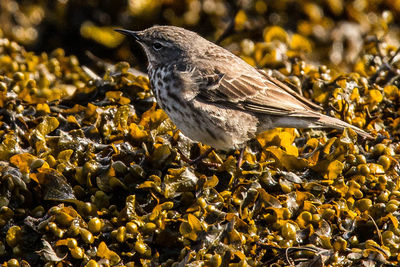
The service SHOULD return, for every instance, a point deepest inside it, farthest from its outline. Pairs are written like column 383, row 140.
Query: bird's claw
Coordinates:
column 199, row 160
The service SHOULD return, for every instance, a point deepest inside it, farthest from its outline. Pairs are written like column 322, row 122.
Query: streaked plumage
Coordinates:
column 215, row 97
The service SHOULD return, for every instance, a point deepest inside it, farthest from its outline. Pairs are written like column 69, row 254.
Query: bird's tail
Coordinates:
column 307, row 119
column 331, row 122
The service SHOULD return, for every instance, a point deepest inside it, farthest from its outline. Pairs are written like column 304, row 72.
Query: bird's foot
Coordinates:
column 199, row 160
column 312, row 153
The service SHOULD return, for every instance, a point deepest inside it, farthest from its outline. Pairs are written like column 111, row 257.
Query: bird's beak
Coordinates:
column 133, row 34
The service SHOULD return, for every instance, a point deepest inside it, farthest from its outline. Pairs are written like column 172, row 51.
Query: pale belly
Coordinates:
column 217, row 127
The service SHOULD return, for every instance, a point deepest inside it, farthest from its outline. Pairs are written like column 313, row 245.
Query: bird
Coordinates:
column 216, row 98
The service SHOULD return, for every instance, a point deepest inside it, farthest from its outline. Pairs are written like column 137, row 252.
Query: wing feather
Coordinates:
column 251, row 91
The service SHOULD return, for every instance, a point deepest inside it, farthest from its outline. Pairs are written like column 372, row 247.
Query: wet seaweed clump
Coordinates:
column 92, row 170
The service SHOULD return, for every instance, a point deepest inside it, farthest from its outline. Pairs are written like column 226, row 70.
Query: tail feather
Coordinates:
column 331, row 122
column 308, row 119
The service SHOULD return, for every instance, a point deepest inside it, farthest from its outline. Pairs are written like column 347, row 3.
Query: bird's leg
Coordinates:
column 240, row 159
column 196, row 160
column 202, row 156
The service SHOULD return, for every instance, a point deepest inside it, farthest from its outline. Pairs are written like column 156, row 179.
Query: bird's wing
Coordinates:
column 250, row 91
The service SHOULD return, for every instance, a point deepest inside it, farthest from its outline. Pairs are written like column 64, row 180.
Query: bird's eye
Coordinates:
column 157, row 46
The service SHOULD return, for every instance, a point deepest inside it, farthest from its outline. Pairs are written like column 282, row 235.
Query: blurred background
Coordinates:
column 331, row 31
column 57, row 115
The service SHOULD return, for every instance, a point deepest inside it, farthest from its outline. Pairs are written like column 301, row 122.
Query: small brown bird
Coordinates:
column 215, row 97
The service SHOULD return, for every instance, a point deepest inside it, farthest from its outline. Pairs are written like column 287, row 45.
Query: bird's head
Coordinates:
column 166, row 44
